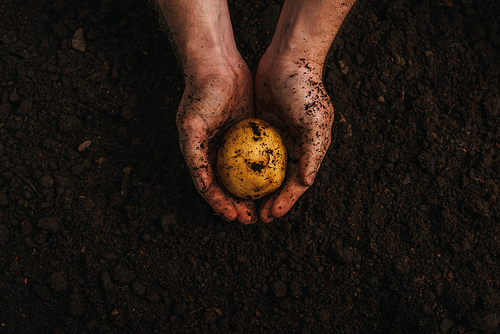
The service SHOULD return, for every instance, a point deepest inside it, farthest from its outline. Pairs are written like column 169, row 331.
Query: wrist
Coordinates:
column 201, row 30
column 305, row 33
column 296, row 37
column 201, row 56
column 292, row 54
column 294, row 45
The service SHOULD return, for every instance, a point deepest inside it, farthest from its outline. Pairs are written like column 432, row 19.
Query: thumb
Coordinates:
column 312, row 158
column 194, row 146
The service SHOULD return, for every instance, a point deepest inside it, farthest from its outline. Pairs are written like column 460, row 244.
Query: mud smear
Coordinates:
column 255, row 129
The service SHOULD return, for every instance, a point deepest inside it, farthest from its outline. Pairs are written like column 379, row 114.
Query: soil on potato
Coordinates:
column 102, row 230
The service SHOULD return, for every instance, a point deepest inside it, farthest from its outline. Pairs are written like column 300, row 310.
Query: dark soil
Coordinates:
column 102, row 230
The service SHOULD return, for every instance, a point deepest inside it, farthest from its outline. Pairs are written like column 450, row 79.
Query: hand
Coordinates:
column 216, row 96
column 219, row 92
column 291, row 96
column 289, row 92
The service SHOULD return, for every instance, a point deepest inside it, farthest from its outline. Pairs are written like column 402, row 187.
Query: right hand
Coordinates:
column 216, row 96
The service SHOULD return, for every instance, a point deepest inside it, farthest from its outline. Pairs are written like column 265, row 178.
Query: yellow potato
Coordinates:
column 252, row 159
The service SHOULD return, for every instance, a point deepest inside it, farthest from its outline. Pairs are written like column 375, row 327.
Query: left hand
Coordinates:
column 290, row 95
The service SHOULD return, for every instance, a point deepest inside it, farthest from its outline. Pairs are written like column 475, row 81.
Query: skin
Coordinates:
column 288, row 92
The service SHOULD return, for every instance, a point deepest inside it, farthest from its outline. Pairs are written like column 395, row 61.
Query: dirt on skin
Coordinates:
column 102, row 230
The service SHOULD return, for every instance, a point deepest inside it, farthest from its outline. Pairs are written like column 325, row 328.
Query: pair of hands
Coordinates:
column 287, row 93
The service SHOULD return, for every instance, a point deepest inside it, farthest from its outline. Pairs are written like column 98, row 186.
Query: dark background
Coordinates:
column 102, row 231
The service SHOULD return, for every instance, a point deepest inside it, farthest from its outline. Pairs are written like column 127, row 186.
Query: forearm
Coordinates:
column 308, row 27
column 201, row 29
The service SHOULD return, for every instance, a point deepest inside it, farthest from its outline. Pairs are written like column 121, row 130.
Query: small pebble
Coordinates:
column 446, row 325
column 49, row 223
column 47, row 181
column 14, row 97
column 78, row 41
column 83, row 146
column 324, row 315
column 3, row 200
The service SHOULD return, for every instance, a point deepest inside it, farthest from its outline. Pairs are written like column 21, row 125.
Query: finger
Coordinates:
column 224, row 204
column 221, row 204
column 194, row 147
column 266, row 205
column 302, row 177
column 313, row 154
column 287, row 196
column 246, row 210
column 280, row 203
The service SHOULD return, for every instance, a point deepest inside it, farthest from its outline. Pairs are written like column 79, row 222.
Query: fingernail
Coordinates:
column 198, row 183
column 270, row 219
column 227, row 218
column 310, row 178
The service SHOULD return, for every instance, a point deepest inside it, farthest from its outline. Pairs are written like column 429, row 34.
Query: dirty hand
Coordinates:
column 290, row 95
column 216, row 96
column 289, row 92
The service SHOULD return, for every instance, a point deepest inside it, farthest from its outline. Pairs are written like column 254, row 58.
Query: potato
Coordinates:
column 251, row 160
